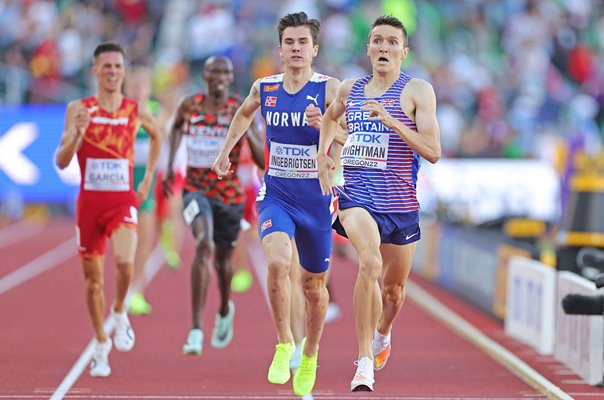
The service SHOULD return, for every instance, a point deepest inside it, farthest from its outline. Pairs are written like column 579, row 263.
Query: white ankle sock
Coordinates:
column 381, row 341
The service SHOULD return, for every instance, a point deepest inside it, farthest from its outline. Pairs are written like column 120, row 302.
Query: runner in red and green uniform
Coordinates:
column 138, row 87
column 213, row 208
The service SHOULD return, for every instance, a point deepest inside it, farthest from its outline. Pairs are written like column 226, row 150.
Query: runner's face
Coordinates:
column 219, row 76
column 297, row 49
column 109, row 71
column 386, row 48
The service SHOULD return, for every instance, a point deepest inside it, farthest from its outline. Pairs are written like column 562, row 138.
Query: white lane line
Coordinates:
column 20, row 231
column 256, row 397
column 81, row 364
column 469, row 332
column 46, row 261
column 155, row 261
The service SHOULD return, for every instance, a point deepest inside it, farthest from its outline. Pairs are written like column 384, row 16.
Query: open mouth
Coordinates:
column 382, row 59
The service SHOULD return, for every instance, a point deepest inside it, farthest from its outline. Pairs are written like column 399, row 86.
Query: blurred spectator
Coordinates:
column 505, row 73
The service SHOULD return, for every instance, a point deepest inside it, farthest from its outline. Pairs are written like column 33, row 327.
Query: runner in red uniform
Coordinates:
column 101, row 129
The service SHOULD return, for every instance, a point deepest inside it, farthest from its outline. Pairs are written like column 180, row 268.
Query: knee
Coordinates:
column 94, row 286
column 278, row 268
column 370, row 267
column 314, row 289
column 204, row 248
column 394, row 293
column 125, row 267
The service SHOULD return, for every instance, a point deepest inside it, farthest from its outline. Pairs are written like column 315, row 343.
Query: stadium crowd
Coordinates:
column 513, row 77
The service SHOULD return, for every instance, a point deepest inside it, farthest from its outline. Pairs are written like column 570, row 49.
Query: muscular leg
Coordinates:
column 123, row 241
column 397, row 265
column 146, row 228
column 278, row 249
column 95, row 294
column 297, row 297
column 364, row 236
column 224, row 272
column 200, row 269
column 317, row 297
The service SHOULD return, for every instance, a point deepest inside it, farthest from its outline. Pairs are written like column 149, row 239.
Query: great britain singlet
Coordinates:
column 106, row 155
column 291, row 144
column 380, row 169
column 205, row 133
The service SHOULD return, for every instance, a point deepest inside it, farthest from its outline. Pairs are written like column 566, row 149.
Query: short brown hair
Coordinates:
column 107, row 48
column 300, row 19
column 392, row 21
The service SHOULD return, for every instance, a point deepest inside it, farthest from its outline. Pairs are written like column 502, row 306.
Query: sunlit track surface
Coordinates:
column 45, row 330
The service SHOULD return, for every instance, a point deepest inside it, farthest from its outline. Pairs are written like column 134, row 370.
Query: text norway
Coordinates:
column 275, row 118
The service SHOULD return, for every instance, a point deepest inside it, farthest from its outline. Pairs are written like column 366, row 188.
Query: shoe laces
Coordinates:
column 283, row 353
column 100, row 352
column 364, row 367
column 121, row 320
column 308, row 365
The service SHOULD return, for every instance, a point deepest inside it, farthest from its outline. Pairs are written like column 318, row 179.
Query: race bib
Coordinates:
column 366, row 149
column 107, row 175
column 191, row 211
column 203, row 150
column 293, row 161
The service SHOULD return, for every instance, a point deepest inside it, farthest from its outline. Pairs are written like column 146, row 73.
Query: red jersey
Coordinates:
column 106, row 155
column 205, row 133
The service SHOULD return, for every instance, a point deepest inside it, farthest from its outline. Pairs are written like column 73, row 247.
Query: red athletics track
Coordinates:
column 45, row 329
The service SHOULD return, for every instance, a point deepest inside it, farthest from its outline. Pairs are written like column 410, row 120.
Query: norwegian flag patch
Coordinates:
column 271, row 101
column 266, row 224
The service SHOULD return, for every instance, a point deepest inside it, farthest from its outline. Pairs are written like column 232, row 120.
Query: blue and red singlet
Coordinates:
column 290, row 199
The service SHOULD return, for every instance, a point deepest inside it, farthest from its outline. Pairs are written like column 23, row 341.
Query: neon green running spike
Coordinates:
column 278, row 372
column 138, row 305
column 242, row 281
column 306, row 375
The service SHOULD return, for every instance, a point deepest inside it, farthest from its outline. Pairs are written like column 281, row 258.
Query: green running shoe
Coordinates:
column 306, row 375
column 278, row 372
column 138, row 305
column 242, row 281
column 172, row 259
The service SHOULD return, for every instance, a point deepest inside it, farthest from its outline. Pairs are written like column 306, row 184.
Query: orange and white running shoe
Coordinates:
column 380, row 359
column 381, row 350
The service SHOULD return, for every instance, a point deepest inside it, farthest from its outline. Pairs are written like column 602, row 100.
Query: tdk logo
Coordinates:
column 292, row 151
column 365, row 138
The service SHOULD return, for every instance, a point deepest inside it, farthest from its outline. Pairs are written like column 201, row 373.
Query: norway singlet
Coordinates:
column 290, row 199
column 380, row 169
column 107, row 199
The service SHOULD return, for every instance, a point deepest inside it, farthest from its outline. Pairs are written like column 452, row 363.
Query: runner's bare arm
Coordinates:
column 150, row 125
column 255, row 138
column 77, row 119
column 240, row 124
column 329, row 128
column 176, row 133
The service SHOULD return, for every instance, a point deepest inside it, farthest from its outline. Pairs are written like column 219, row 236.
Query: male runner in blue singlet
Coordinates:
column 290, row 203
column 391, row 119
